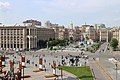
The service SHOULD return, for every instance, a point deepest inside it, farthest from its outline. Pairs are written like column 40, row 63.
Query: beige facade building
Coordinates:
column 23, row 37
column 116, row 34
column 104, row 33
column 94, row 33
column 12, row 37
column 45, row 34
column 29, row 35
column 71, row 34
column 63, row 33
column 60, row 31
column 91, row 33
column 78, row 33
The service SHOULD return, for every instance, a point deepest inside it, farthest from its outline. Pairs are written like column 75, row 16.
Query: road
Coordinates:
column 103, row 55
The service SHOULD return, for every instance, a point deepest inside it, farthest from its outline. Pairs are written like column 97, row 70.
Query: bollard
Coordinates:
column 2, row 58
column 54, row 68
column 23, row 61
column 11, row 66
column 18, row 76
column 3, row 61
column 0, row 66
column 20, row 71
column 11, row 62
column 40, row 64
column 23, row 64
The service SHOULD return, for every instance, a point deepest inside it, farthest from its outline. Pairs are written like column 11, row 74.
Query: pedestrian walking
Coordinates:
column 44, row 61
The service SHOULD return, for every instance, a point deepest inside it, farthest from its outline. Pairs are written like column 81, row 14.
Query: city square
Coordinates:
column 48, row 58
column 28, row 54
column 59, row 40
column 63, row 58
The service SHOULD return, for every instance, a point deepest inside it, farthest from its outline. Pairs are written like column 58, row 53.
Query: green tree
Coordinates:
column 58, row 42
column 96, row 46
column 114, row 43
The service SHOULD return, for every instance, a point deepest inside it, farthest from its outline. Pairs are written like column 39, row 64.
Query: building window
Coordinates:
column 17, row 45
column 11, row 46
column 1, row 45
column 2, row 32
column 8, row 45
column 27, row 31
column 4, row 45
column 21, row 45
column 14, row 45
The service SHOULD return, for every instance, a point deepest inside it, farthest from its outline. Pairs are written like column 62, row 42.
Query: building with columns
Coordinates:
column 28, row 37
column 23, row 37
column 104, row 34
column 12, row 37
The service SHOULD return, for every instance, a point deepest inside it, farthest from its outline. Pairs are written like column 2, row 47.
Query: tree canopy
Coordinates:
column 114, row 43
column 58, row 42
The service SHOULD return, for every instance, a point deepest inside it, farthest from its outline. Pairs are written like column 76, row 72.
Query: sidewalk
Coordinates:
column 41, row 76
column 69, row 76
column 98, row 75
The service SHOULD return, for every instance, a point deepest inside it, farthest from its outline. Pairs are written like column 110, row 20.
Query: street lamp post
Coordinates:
column 116, row 65
column 61, row 74
column 47, row 45
column 0, row 66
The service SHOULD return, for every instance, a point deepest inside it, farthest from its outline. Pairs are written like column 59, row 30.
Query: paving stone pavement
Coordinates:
column 34, row 59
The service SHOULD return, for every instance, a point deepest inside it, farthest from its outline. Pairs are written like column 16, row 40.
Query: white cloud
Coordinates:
column 4, row 5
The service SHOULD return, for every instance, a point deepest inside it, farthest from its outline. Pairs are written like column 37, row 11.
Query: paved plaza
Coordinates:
column 48, row 58
column 103, row 66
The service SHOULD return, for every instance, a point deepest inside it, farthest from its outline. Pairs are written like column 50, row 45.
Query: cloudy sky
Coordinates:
column 61, row 11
